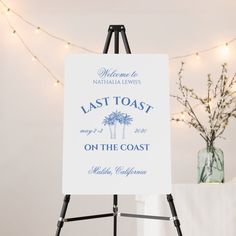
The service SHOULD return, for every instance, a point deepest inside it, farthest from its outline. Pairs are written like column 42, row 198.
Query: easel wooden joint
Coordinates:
column 117, row 30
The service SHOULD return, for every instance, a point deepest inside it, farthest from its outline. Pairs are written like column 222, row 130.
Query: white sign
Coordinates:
column 116, row 124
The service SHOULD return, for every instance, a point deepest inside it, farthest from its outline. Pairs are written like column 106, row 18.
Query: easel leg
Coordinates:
column 108, row 40
column 125, row 40
column 174, row 214
column 116, row 45
column 62, row 215
column 115, row 211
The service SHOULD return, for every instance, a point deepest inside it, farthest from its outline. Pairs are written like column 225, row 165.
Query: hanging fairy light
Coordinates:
column 197, row 56
column 56, row 83
column 21, row 17
column 40, row 29
column 67, row 45
column 34, row 58
column 227, row 47
column 8, row 10
column 37, row 30
column 225, row 50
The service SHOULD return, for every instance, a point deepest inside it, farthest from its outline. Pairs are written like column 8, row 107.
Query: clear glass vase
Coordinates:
column 211, row 165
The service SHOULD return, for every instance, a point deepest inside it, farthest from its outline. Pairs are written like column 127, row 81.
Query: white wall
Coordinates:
column 31, row 107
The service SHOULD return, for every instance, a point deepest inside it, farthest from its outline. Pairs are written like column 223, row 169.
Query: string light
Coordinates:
column 225, row 50
column 8, row 11
column 92, row 51
column 67, row 45
column 33, row 57
column 197, row 56
column 227, row 46
column 37, row 30
column 56, row 83
column 45, row 31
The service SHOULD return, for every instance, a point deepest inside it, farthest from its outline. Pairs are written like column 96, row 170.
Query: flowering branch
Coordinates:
column 221, row 93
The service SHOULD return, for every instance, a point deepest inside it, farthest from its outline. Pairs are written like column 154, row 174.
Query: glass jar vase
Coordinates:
column 211, row 165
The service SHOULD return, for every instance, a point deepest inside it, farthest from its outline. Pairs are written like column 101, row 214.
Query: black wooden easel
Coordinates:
column 117, row 30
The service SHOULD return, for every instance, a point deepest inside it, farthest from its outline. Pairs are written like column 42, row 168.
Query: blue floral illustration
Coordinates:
column 115, row 118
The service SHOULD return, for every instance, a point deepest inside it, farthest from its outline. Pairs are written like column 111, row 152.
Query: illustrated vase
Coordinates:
column 211, row 165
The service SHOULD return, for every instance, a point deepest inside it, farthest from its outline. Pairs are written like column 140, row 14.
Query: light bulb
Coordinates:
column 67, row 45
column 34, row 58
column 226, row 47
column 197, row 56
column 56, row 83
column 8, row 11
column 225, row 50
column 182, row 115
column 37, row 29
column 13, row 32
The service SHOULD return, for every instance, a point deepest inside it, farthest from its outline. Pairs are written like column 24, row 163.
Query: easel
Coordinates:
column 117, row 29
